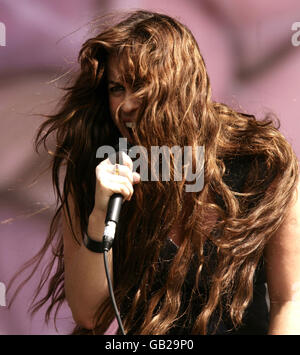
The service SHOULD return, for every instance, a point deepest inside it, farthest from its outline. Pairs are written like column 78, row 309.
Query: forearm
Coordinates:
column 285, row 318
column 85, row 279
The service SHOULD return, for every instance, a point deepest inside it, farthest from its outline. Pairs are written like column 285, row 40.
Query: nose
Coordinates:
column 130, row 104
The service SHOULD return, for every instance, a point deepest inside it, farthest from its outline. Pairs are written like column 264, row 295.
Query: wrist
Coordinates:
column 97, row 214
column 96, row 225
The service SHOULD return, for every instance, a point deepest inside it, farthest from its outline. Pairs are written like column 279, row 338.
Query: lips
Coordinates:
column 127, row 125
column 130, row 124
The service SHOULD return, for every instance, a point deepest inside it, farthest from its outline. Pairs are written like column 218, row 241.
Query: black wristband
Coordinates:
column 92, row 245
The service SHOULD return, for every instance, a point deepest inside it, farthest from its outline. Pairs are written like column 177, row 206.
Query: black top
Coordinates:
column 256, row 316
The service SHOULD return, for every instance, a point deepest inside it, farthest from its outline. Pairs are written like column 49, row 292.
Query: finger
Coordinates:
column 122, row 170
column 124, row 159
column 105, row 175
column 136, row 177
column 124, row 181
column 123, row 187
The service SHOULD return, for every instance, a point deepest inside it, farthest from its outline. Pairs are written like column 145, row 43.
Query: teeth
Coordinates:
column 130, row 124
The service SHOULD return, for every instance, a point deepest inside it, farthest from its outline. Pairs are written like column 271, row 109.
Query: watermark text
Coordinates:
column 2, row 295
column 296, row 36
column 188, row 163
column 2, row 35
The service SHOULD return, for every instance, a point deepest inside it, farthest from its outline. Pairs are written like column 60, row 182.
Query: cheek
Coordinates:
column 113, row 105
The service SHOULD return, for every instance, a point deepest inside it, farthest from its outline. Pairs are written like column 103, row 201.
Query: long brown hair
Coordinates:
column 162, row 61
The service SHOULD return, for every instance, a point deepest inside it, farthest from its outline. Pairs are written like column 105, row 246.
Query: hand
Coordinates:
column 108, row 182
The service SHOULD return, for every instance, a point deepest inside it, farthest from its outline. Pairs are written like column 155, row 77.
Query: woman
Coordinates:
column 182, row 262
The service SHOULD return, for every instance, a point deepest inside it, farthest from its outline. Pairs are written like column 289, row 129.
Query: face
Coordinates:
column 119, row 92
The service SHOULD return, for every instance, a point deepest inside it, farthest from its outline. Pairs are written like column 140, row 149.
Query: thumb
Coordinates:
column 136, row 177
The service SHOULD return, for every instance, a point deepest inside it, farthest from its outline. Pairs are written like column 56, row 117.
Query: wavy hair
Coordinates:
column 161, row 60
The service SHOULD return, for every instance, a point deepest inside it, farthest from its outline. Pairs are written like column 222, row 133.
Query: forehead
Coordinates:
column 113, row 69
column 124, row 69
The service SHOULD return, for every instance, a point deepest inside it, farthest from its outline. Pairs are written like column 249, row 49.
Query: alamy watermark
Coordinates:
column 2, row 35
column 161, row 158
column 296, row 36
column 2, row 295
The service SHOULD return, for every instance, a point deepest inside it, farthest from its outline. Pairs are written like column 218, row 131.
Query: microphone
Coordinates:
column 111, row 220
column 113, row 210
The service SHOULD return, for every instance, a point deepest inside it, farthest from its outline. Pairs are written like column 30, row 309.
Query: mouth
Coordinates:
column 130, row 124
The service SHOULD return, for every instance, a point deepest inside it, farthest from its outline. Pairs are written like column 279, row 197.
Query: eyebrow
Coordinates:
column 114, row 82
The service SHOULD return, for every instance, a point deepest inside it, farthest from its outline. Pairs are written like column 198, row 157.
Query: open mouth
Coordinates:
column 130, row 124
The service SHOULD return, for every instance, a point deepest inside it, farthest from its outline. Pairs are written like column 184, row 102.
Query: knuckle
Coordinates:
column 124, row 191
column 128, row 173
column 100, row 167
column 127, row 160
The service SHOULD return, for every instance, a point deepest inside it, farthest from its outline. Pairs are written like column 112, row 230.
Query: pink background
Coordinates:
column 250, row 59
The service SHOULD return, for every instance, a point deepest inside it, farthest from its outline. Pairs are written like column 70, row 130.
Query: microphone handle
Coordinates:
column 114, row 208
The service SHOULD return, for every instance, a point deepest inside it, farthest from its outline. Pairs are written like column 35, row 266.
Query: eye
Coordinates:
column 116, row 89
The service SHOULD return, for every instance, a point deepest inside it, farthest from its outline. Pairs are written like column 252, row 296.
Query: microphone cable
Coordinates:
column 111, row 292
column 108, row 238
